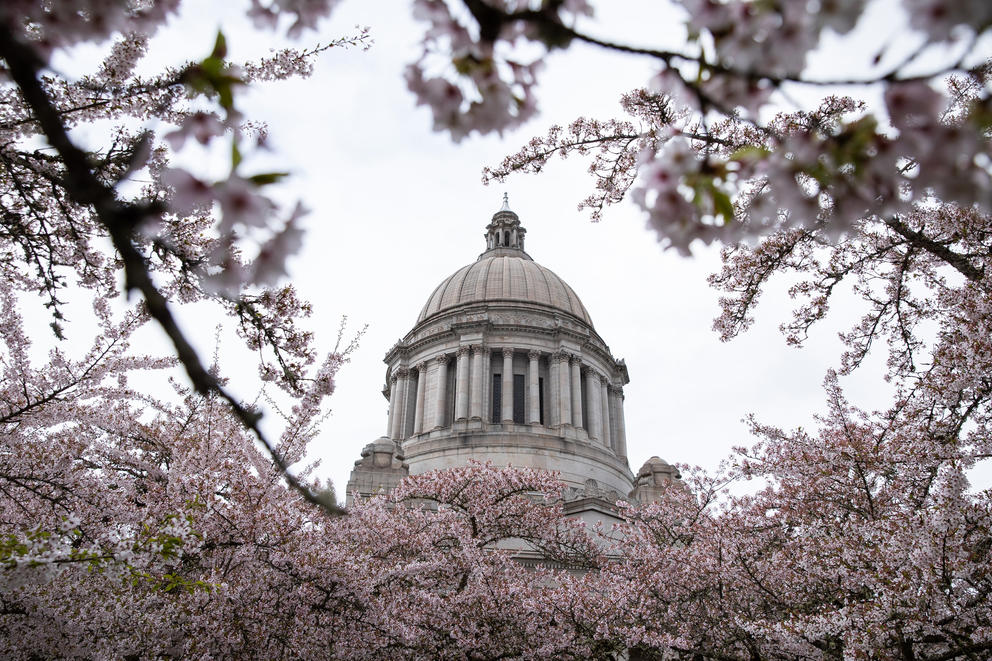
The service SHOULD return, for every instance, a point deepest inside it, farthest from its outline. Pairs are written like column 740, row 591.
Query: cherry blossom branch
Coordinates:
column 121, row 221
column 959, row 262
column 491, row 19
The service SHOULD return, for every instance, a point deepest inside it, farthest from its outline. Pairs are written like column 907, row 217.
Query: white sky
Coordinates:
column 397, row 208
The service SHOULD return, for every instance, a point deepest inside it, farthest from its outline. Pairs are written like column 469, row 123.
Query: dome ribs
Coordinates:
column 470, row 283
column 452, row 292
column 494, row 281
column 535, row 290
column 481, row 285
column 504, row 278
column 432, row 302
column 578, row 309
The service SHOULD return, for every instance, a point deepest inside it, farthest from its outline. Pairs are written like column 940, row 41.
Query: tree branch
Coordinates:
column 936, row 249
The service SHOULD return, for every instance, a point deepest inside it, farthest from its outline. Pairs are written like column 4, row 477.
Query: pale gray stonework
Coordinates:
column 500, row 324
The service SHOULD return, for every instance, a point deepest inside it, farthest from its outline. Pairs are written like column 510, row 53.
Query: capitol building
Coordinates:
column 505, row 365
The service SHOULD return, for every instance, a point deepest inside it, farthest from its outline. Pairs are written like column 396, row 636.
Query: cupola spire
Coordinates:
column 504, row 232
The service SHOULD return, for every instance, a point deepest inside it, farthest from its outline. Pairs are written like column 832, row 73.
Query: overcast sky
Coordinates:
column 396, row 208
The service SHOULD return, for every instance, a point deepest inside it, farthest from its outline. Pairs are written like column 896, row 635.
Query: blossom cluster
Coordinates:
column 467, row 73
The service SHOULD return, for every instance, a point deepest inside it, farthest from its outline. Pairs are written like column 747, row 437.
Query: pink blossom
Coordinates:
column 242, row 204
column 270, row 264
column 188, row 192
column 202, row 126
column 913, row 105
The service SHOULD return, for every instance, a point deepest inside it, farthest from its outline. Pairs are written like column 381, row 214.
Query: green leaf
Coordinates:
column 211, row 68
column 235, row 156
column 722, row 205
column 226, row 94
column 220, row 46
column 265, row 178
column 750, row 152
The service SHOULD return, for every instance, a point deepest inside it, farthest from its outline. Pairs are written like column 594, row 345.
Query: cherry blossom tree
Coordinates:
column 864, row 543
column 128, row 517
column 131, row 523
column 446, row 564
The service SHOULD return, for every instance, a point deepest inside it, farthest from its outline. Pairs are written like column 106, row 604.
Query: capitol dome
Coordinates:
column 503, row 364
column 500, row 276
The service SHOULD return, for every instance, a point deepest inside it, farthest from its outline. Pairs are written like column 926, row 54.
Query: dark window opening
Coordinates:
column 540, row 398
column 584, row 395
column 497, row 398
column 518, row 398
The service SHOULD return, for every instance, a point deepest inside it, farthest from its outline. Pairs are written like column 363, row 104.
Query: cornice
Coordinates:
column 447, row 326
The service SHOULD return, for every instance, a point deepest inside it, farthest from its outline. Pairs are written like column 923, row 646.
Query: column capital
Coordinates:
column 561, row 355
column 442, row 359
column 477, row 348
column 422, row 366
column 507, row 351
column 462, row 350
column 393, row 378
column 401, row 373
column 616, row 390
column 533, row 354
column 575, row 359
column 604, row 381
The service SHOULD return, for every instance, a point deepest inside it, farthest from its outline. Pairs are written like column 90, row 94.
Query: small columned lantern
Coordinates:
column 504, row 230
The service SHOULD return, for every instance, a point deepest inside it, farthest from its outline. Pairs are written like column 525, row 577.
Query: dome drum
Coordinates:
column 548, row 387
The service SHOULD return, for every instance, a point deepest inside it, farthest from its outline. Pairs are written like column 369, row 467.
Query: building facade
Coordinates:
column 504, row 365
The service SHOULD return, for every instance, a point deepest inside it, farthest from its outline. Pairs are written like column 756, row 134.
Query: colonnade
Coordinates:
column 421, row 393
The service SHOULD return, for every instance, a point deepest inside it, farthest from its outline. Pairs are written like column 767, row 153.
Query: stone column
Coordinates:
column 612, row 391
column 616, row 413
column 397, row 399
column 621, row 426
column 475, row 394
column 576, row 392
column 461, row 384
column 399, row 421
column 534, row 416
column 595, row 405
column 554, row 410
column 604, row 391
column 418, row 415
column 564, row 390
column 394, row 395
column 507, row 385
column 442, row 391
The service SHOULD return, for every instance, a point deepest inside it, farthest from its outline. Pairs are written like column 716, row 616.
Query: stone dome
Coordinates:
column 499, row 276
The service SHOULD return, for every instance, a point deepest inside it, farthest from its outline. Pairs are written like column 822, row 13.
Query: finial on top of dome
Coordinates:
column 506, row 202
